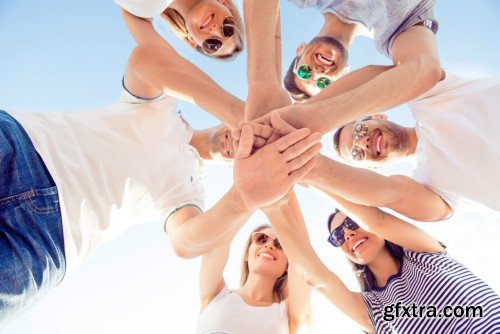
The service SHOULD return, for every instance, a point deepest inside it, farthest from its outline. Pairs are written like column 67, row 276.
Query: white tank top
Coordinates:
column 228, row 313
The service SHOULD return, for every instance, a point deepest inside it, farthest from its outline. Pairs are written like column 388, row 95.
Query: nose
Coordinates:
column 363, row 142
column 216, row 31
column 269, row 244
column 349, row 234
column 318, row 72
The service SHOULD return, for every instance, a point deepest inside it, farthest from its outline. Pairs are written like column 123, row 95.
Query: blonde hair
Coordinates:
column 178, row 24
column 280, row 289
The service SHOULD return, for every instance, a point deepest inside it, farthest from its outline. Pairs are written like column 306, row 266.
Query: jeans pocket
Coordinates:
column 43, row 201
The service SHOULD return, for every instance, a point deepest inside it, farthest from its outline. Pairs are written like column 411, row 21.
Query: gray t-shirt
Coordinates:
column 385, row 18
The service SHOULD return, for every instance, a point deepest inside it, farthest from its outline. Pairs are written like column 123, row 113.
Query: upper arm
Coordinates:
column 211, row 274
column 298, row 302
column 173, row 227
column 143, row 30
column 416, row 201
column 404, row 233
column 417, row 47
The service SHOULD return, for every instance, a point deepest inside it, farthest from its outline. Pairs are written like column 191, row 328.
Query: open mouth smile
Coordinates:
column 207, row 21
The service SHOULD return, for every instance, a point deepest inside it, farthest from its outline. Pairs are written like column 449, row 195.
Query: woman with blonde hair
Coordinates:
column 271, row 299
column 212, row 27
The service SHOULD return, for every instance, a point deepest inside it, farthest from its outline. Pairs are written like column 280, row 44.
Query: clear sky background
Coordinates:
column 70, row 55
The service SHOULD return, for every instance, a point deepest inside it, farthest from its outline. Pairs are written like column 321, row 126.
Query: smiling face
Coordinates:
column 359, row 246
column 372, row 142
column 221, row 145
column 215, row 28
column 264, row 256
column 326, row 57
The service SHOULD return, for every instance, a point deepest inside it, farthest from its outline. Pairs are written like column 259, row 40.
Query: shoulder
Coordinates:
column 144, row 8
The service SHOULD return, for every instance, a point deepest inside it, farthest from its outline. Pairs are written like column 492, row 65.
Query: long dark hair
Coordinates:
column 364, row 275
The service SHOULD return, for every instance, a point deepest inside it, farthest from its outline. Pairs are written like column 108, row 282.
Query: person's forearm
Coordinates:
column 278, row 46
column 295, row 243
column 386, row 90
column 300, row 252
column 168, row 71
column 357, row 185
column 202, row 233
column 260, row 21
column 349, row 82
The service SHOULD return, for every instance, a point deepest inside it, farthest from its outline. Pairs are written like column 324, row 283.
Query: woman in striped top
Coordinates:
column 409, row 283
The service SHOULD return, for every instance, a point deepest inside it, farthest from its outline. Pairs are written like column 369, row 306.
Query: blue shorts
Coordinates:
column 31, row 236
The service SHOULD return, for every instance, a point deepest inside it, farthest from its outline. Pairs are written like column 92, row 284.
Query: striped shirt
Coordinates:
column 432, row 280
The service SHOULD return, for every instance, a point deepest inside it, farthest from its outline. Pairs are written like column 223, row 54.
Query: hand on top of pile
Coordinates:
column 263, row 176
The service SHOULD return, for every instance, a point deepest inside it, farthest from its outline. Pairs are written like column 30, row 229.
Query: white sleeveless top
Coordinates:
column 228, row 313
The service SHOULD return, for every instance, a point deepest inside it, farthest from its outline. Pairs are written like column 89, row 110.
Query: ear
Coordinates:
column 300, row 49
column 380, row 117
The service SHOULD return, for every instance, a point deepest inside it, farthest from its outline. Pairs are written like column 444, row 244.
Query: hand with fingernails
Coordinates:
column 265, row 176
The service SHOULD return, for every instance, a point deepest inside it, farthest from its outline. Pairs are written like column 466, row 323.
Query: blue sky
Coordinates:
column 70, row 55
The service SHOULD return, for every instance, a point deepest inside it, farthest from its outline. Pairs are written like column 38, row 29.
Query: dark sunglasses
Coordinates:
column 211, row 45
column 305, row 72
column 337, row 237
column 260, row 238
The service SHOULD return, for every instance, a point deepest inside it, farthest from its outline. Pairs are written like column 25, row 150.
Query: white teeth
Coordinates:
column 324, row 60
column 357, row 244
column 266, row 256
column 379, row 142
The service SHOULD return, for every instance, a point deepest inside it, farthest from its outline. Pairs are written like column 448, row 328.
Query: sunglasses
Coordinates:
column 260, row 239
column 337, row 237
column 359, row 132
column 212, row 45
column 305, row 72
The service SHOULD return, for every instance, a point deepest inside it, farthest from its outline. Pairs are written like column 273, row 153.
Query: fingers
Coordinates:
column 303, row 171
column 246, row 143
column 300, row 147
column 280, row 124
column 262, row 130
column 291, row 139
column 304, row 158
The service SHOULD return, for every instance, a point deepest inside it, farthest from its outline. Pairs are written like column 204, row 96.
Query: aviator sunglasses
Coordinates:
column 337, row 237
column 211, row 45
column 359, row 132
column 305, row 72
column 260, row 238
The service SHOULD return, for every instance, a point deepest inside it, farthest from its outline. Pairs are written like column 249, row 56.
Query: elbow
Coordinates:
column 182, row 249
column 150, row 56
column 427, row 70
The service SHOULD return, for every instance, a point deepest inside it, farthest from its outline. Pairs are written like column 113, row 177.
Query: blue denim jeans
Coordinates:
column 31, row 237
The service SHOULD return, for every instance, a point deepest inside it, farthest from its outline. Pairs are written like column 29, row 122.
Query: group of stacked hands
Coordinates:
column 84, row 186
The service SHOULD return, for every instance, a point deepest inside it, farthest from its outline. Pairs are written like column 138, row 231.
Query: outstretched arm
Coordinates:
column 259, row 180
column 294, row 239
column 417, row 69
column 373, row 89
column 143, row 30
column 399, row 193
column 307, row 114
column 265, row 93
column 299, row 292
column 153, row 69
column 388, row 227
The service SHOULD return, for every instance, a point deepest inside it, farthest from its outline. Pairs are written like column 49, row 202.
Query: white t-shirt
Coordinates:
column 458, row 151
column 228, row 313
column 114, row 167
column 144, row 8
